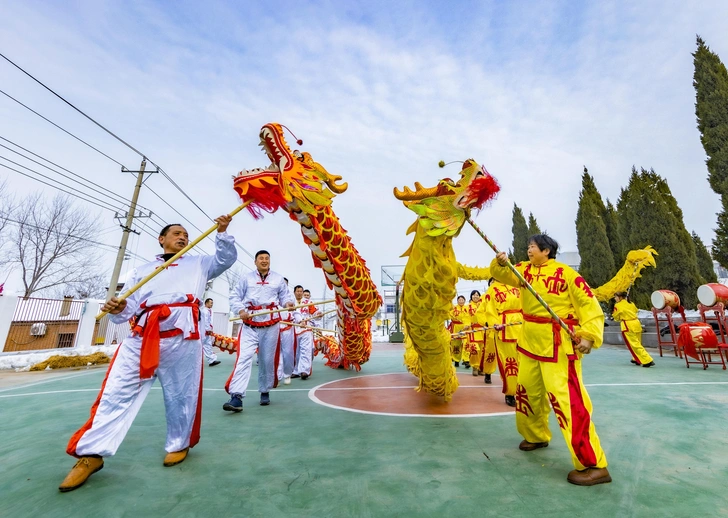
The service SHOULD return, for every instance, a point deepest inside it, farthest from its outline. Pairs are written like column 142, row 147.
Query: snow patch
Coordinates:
column 22, row 361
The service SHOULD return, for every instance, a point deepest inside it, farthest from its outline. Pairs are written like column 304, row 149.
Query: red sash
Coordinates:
column 555, row 326
column 150, row 333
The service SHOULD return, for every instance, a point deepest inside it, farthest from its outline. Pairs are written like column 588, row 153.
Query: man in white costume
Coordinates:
column 165, row 344
column 257, row 291
column 206, row 321
column 304, row 337
column 288, row 344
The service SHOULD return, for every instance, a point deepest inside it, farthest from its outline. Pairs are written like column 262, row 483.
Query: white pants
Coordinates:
column 210, row 355
column 304, row 353
column 287, row 355
column 122, row 394
column 265, row 339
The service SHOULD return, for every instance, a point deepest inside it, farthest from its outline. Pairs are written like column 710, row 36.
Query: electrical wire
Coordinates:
column 60, row 128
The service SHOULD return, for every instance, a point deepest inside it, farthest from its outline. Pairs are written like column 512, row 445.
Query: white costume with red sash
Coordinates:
column 206, row 323
column 164, row 344
column 288, row 344
column 255, row 294
column 304, row 339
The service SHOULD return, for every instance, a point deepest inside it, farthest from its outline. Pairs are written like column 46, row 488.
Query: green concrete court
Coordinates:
column 663, row 430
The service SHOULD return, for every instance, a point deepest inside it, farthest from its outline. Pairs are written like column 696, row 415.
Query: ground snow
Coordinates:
column 22, row 361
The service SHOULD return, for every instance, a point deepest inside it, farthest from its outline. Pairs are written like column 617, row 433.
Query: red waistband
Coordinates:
column 267, row 323
column 555, row 326
column 151, row 334
column 272, row 305
column 511, row 311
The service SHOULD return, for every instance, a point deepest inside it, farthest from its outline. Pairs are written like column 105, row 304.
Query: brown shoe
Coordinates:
column 530, row 446
column 174, row 458
column 589, row 477
column 84, row 468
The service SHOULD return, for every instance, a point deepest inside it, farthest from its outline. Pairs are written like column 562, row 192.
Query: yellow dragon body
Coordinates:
column 432, row 271
column 637, row 260
column 302, row 187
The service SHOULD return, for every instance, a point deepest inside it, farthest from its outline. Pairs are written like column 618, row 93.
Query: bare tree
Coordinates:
column 232, row 276
column 51, row 244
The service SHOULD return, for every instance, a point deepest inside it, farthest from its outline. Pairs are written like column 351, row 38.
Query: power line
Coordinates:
column 164, row 173
column 75, row 108
column 60, row 128
column 98, row 243
column 58, row 188
column 106, row 191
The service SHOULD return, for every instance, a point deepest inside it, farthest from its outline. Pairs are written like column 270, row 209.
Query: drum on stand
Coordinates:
column 713, row 293
column 664, row 298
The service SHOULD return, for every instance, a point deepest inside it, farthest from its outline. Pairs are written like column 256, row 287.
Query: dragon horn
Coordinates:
column 420, row 193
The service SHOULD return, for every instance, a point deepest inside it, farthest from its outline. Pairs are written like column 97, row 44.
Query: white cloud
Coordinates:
column 533, row 91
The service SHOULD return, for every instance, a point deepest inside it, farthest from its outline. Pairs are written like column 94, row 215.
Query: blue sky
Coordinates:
column 379, row 92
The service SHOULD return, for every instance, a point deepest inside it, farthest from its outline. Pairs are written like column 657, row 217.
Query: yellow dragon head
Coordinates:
column 443, row 209
column 291, row 176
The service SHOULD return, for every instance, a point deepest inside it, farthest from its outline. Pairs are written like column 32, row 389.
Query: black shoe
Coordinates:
column 635, row 362
column 264, row 399
column 651, row 364
column 304, row 376
column 216, row 362
column 457, row 364
column 488, row 381
column 295, row 376
column 466, row 365
column 511, row 400
column 235, row 404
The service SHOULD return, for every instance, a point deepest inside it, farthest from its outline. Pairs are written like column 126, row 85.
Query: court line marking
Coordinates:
column 59, row 378
column 323, row 388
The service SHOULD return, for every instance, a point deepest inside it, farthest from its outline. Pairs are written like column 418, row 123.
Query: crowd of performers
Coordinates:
column 172, row 333
column 539, row 364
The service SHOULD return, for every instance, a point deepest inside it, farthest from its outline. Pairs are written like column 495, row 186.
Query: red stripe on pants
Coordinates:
column 237, row 356
column 629, row 347
column 195, row 435
column 73, row 442
column 277, row 361
column 580, row 421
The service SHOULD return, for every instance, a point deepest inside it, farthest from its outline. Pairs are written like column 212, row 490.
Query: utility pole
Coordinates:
column 126, row 230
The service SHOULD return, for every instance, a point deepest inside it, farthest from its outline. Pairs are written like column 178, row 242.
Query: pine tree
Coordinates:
column 710, row 80
column 614, row 233
column 649, row 215
column 705, row 262
column 597, row 261
column 520, row 235
column 533, row 227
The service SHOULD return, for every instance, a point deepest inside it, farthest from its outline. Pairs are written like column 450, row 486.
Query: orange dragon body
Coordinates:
column 297, row 184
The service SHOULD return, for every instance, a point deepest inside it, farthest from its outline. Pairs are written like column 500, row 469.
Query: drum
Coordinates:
column 697, row 334
column 663, row 298
column 711, row 294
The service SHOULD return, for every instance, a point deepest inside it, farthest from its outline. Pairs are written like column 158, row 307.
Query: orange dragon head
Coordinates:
column 444, row 208
column 291, row 177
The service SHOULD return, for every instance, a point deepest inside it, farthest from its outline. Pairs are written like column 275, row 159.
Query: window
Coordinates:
column 65, row 340
column 390, row 308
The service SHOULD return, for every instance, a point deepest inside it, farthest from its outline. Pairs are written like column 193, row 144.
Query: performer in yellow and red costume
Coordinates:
column 550, row 364
column 503, row 313
column 483, row 359
column 471, row 352
column 626, row 312
column 459, row 320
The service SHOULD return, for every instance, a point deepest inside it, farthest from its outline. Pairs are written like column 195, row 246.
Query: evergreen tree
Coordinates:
column 614, row 233
column 649, row 215
column 533, row 227
column 705, row 262
column 710, row 80
column 597, row 261
column 520, row 235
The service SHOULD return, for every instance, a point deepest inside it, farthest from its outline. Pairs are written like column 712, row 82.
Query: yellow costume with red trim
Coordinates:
column 485, row 357
column 503, row 307
column 459, row 320
column 550, row 369
column 626, row 313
